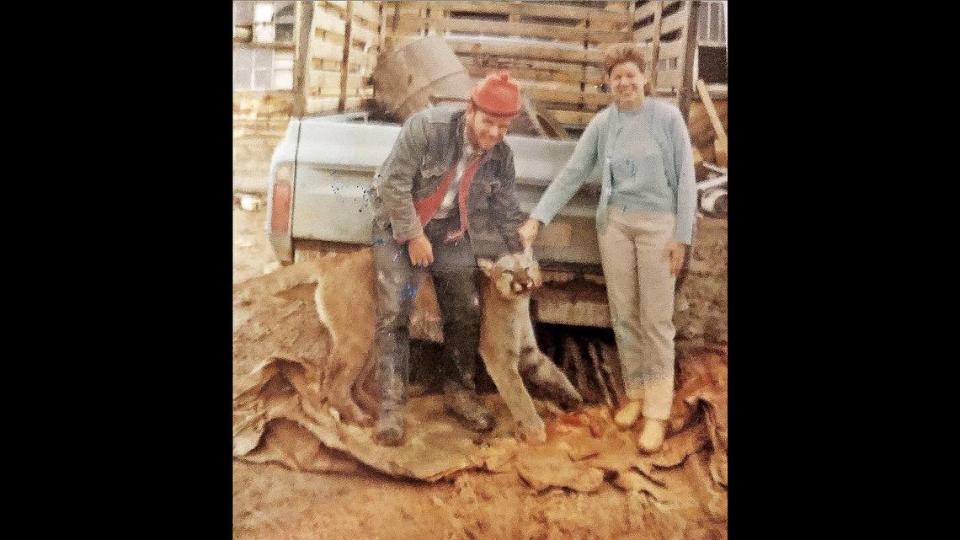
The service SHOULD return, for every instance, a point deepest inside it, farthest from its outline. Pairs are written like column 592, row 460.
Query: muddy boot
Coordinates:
column 628, row 414
column 389, row 429
column 651, row 438
column 465, row 406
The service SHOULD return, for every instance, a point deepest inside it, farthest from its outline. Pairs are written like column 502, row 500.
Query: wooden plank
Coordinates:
column 373, row 26
column 325, row 50
column 367, row 11
column 672, row 49
column 645, row 11
column 363, row 35
column 669, row 79
column 572, row 118
column 643, row 34
column 622, row 7
column 435, row 19
column 388, row 33
column 708, row 105
column 675, row 21
column 301, row 73
column 364, row 10
column 280, row 46
column 517, row 29
column 685, row 88
column 590, row 100
column 560, row 96
column 526, row 50
column 549, row 85
column 720, row 144
column 356, row 81
column 329, row 103
column 331, row 12
column 563, row 33
column 655, row 50
column 322, row 64
column 345, row 63
column 537, row 10
column 331, row 79
column 407, row 9
column 324, row 21
column 328, row 91
column 519, row 70
column 597, row 100
column 553, row 96
column 382, row 29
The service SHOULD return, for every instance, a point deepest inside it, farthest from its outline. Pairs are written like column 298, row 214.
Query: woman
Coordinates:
column 645, row 220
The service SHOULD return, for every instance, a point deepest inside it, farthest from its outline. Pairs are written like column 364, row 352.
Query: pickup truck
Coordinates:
column 318, row 198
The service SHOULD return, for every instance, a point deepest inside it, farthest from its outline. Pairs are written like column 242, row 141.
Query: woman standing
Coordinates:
column 644, row 221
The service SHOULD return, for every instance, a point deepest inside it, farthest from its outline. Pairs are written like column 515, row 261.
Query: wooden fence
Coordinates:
column 554, row 49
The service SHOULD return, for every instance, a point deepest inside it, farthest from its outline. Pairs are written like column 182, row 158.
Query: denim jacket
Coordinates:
column 429, row 144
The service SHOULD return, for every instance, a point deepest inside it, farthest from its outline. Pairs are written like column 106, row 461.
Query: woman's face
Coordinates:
column 626, row 81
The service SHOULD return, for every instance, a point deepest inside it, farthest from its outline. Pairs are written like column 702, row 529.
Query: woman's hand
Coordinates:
column 675, row 252
column 529, row 231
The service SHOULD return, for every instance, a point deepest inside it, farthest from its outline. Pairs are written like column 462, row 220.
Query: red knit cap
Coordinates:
column 497, row 94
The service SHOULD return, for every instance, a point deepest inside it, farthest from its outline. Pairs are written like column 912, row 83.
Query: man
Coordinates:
column 445, row 164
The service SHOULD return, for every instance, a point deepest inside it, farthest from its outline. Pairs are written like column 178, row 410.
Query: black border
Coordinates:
column 795, row 119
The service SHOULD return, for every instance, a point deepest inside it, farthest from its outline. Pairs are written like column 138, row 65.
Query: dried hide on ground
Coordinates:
column 282, row 415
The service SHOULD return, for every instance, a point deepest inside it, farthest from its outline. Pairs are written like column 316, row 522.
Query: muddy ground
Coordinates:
column 270, row 501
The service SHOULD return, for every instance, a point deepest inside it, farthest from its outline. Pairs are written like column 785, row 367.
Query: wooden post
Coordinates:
column 381, row 29
column 655, row 54
column 345, row 63
column 686, row 80
column 392, row 41
column 720, row 143
column 301, row 57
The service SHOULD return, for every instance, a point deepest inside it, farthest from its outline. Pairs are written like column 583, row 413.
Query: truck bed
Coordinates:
column 336, row 157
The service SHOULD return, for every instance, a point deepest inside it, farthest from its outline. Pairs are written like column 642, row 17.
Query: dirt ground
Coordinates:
column 270, row 501
column 251, row 253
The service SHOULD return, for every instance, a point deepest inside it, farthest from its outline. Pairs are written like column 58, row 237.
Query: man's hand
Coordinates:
column 421, row 251
column 529, row 231
column 675, row 252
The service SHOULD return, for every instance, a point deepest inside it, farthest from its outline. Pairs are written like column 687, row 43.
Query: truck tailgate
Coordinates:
column 336, row 162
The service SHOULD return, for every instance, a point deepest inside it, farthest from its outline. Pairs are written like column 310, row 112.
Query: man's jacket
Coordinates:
column 430, row 144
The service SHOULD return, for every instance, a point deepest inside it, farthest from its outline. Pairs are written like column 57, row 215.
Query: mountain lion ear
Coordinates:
column 486, row 266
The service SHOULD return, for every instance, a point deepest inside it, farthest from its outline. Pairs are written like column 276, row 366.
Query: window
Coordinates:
column 283, row 20
column 712, row 23
column 712, row 64
column 257, row 68
column 711, row 61
column 283, row 70
column 242, row 68
column 242, row 13
column 262, row 68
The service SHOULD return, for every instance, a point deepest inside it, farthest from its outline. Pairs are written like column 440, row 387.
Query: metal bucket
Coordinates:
column 420, row 74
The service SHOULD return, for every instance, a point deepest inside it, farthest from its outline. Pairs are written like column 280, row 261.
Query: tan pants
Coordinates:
column 640, row 291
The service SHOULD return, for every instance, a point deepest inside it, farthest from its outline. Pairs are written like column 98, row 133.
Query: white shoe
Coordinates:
column 651, row 438
column 628, row 414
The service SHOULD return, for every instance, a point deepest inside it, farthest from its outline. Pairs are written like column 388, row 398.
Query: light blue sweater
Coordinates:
column 664, row 124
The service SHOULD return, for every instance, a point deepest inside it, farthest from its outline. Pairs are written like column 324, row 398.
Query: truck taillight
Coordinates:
column 280, row 214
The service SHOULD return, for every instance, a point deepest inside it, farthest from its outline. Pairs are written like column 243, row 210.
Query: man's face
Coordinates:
column 486, row 130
